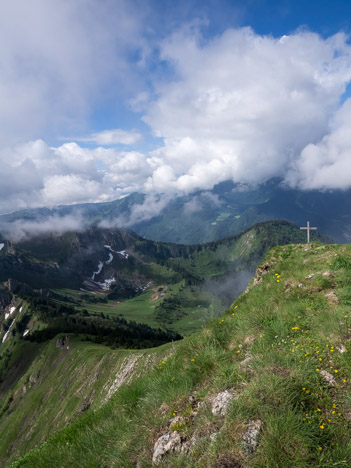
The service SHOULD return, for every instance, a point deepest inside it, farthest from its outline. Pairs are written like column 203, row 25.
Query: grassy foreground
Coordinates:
column 274, row 347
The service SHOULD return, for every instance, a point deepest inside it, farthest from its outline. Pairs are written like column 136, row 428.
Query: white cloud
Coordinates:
column 113, row 137
column 326, row 164
column 238, row 106
column 19, row 230
column 59, row 59
column 242, row 106
column 34, row 174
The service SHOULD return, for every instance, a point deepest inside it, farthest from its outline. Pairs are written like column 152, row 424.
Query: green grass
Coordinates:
column 197, row 306
column 60, row 385
column 292, row 329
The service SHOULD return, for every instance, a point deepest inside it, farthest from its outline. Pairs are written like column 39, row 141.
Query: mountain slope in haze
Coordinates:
column 267, row 384
column 203, row 216
column 231, row 208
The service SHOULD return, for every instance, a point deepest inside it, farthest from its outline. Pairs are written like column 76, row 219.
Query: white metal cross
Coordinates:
column 308, row 228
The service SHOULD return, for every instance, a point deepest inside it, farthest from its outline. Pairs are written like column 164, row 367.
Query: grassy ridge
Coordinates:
column 60, row 384
column 292, row 327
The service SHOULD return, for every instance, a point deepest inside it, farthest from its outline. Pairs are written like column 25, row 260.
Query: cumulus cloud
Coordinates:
column 113, row 137
column 242, row 106
column 326, row 164
column 238, row 106
column 34, row 174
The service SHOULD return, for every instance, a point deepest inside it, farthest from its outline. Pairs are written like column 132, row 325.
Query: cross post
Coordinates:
column 308, row 228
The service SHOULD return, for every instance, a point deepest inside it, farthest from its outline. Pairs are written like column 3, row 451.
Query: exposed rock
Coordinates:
column 176, row 421
column 124, row 374
column 328, row 274
column 300, row 285
column 62, row 342
column 213, row 436
column 261, row 271
column 252, row 435
column 341, row 348
column 17, row 287
column 328, row 378
column 309, row 276
column 220, row 404
column 249, row 339
column 33, row 378
column 331, row 297
column 169, row 443
column 257, row 280
column 245, row 364
column 85, row 405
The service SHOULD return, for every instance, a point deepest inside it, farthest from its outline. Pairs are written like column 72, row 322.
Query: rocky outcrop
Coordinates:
column 62, row 343
column 169, row 443
column 19, row 288
column 220, row 404
column 328, row 378
column 252, row 435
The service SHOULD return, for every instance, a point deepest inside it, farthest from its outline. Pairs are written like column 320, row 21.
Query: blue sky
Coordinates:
column 100, row 98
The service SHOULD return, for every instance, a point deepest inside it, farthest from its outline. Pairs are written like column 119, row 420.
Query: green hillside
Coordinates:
column 123, row 276
column 279, row 358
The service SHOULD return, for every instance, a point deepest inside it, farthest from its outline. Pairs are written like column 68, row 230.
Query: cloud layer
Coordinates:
column 34, row 174
column 245, row 106
column 238, row 106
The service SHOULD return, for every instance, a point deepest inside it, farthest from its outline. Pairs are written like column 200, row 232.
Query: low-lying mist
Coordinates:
column 230, row 286
column 20, row 230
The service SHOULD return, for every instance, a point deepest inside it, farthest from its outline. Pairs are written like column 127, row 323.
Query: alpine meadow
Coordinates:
column 175, row 220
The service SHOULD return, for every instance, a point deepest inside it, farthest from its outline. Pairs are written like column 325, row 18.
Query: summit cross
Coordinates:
column 308, row 228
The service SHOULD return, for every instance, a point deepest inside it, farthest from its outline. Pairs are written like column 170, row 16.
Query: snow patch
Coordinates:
column 8, row 314
column 21, row 309
column 26, row 331
column 8, row 331
column 2, row 246
column 123, row 253
column 109, row 259
column 98, row 270
column 107, row 283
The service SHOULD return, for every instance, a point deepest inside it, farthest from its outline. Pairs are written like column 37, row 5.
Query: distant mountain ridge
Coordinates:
column 204, row 216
